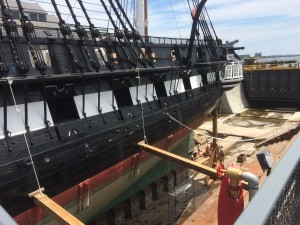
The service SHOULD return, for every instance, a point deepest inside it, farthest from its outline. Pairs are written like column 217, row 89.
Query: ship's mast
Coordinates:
column 141, row 17
column 146, row 17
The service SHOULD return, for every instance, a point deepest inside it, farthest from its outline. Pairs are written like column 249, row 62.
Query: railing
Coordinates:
column 277, row 201
column 5, row 218
column 54, row 32
column 167, row 40
column 276, row 66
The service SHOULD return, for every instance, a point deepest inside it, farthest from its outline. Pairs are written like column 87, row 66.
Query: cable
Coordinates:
column 143, row 119
column 70, row 14
column 209, row 136
column 175, row 19
column 10, row 81
column 187, row 12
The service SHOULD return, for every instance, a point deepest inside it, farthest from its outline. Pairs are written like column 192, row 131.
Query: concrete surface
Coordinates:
column 233, row 100
column 206, row 198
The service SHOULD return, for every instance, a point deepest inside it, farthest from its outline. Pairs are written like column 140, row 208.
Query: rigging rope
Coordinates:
column 10, row 81
column 143, row 119
column 187, row 12
column 133, row 7
column 70, row 13
column 189, row 6
column 211, row 23
column 175, row 18
column 177, row 80
column 170, row 89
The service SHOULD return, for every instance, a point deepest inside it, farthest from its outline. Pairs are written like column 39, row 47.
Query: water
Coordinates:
column 279, row 59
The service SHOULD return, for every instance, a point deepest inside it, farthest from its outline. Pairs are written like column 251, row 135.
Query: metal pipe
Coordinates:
column 232, row 173
column 146, row 17
column 253, row 183
column 247, row 177
column 5, row 218
column 276, row 189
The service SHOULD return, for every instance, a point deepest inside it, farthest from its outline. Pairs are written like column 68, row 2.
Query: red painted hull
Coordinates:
column 34, row 215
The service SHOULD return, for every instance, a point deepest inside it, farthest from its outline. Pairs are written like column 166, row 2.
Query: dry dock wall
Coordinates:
column 233, row 100
column 273, row 88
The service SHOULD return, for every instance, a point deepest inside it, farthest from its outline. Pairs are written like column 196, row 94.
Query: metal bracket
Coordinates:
column 28, row 134
column 116, row 113
column 139, row 103
column 87, row 121
column 148, row 103
column 177, row 95
column 47, row 123
column 7, row 139
column 156, row 102
column 101, row 115
column 66, row 130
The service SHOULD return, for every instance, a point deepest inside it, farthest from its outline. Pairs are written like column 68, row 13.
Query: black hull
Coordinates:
column 99, row 147
column 85, row 93
column 232, row 84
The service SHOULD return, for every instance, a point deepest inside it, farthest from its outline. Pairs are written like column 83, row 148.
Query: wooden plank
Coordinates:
column 185, row 162
column 56, row 211
column 181, row 160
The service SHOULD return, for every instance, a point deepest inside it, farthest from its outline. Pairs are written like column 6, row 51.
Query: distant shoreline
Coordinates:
column 277, row 56
column 279, row 59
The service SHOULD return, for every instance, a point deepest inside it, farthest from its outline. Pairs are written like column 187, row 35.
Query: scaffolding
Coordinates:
column 181, row 198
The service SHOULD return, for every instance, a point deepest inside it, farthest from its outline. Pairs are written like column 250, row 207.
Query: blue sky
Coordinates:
column 267, row 26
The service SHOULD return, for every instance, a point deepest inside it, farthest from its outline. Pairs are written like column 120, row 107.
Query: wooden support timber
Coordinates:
column 53, row 209
column 215, row 127
column 181, row 160
column 231, row 173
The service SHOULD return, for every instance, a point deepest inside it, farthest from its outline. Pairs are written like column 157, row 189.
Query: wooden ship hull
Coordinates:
column 75, row 103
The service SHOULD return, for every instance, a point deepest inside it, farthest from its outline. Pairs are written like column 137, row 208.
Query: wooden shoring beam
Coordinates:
column 187, row 162
column 54, row 210
column 179, row 159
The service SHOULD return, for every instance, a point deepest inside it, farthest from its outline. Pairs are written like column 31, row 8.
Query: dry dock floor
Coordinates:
column 248, row 124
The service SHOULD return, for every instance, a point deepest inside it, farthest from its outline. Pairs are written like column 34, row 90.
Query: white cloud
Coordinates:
column 268, row 26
